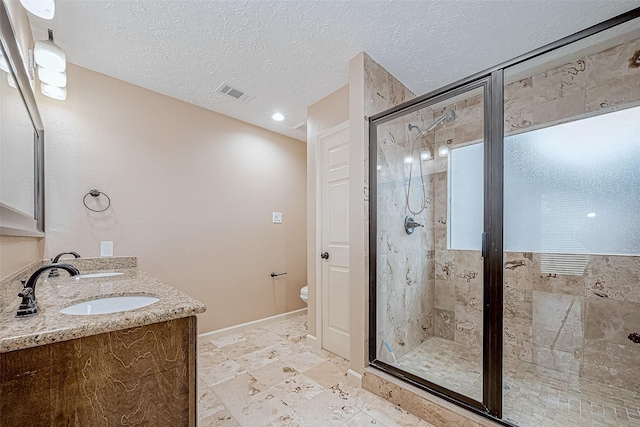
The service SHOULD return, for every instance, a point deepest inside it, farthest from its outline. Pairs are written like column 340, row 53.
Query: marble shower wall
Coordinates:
column 421, row 291
column 567, row 322
column 458, row 274
column 400, row 288
column 405, row 262
column 602, row 81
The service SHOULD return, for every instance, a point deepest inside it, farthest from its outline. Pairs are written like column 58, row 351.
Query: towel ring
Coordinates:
column 95, row 193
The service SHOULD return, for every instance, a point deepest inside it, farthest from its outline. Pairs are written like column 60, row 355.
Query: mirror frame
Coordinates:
column 13, row 222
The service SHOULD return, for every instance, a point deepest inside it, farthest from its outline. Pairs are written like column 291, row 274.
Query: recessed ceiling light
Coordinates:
column 278, row 117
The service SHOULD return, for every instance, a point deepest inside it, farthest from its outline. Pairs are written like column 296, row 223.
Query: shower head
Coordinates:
column 448, row 116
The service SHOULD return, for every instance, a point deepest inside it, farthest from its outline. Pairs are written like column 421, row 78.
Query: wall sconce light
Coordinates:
column 12, row 81
column 49, row 55
column 50, row 77
column 408, row 159
column 52, row 63
column 425, row 154
column 55, row 92
column 443, row 150
column 44, row 9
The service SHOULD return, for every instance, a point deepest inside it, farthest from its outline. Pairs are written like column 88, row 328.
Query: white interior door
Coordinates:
column 334, row 242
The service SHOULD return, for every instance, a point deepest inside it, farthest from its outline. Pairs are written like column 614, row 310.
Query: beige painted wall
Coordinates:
column 324, row 114
column 16, row 252
column 192, row 195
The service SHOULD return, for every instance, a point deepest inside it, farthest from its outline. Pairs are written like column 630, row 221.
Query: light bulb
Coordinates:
column 425, row 155
column 408, row 159
column 44, row 9
column 278, row 117
column 49, row 55
column 443, row 150
column 50, row 77
column 59, row 93
column 591, row 215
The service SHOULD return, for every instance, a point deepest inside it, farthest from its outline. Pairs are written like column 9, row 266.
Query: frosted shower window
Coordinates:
column 466, row 191
column 570, row 188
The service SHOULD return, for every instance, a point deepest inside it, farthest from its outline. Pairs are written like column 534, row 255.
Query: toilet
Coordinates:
column 304, row 294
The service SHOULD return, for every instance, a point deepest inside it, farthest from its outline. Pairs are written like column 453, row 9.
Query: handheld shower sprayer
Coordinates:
column 448, row 116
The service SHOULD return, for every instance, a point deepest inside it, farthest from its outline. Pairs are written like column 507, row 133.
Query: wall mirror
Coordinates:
column 21, row 142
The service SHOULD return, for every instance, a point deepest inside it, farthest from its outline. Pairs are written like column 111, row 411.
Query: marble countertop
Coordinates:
column 50, row 326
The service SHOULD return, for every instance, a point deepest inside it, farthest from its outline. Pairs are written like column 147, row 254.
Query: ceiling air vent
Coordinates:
column 234, row 93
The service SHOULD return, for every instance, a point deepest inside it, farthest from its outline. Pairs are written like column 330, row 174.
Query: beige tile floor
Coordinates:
column 269, row 376
column 534, row 395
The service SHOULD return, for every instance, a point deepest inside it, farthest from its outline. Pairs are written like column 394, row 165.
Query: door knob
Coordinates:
column 324, row 255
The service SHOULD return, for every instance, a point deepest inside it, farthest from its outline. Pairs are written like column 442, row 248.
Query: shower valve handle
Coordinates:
column 324, row 255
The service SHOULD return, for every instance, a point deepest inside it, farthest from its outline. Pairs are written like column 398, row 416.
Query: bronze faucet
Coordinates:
column 29, row 304
column 54, row 272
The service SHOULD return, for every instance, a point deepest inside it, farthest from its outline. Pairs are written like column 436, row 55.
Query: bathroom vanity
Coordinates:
column 135, row 367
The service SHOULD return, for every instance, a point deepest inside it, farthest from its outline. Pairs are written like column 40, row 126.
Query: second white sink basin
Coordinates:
column 93, row 275
column 109, row 305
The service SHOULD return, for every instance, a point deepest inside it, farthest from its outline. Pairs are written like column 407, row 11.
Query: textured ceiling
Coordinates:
column 290, row 54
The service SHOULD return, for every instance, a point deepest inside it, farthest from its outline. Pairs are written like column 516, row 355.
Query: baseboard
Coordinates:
column 207, row 336
column 354, row 378
column 313, row 341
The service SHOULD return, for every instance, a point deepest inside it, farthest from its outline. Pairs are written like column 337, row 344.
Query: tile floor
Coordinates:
column 269, row 376
column 534, row 395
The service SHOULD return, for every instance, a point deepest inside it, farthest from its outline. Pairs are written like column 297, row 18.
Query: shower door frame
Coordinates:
column 492, row 80
column 492, row 90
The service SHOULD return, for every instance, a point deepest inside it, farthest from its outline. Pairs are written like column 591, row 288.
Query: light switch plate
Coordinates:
column 106, row 248
column 277, row 217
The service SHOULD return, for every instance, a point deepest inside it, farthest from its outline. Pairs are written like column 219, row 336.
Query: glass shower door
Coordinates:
column 428, row 256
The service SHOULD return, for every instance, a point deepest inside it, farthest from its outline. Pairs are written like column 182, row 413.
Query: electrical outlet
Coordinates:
column 106, row 248
column 277, row 217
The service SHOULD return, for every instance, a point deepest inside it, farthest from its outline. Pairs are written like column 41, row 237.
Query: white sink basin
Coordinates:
column 109, row 305
column 93, row 275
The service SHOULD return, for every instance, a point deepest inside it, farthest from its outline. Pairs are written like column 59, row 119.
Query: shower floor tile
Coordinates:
column 534, row 395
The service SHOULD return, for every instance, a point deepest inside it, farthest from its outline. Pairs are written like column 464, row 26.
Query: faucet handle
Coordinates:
column 26, row 292
column 29, row 305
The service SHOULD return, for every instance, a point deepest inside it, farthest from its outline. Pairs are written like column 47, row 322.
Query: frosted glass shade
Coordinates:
column 11, row 81
column 53, row 78
column 59, row 93
column 48, row 55
column 44, row 9
column 4, row 66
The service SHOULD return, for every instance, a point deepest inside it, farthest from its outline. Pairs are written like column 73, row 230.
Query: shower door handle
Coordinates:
column 324, row 255
column 484, row 245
